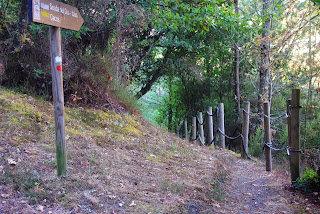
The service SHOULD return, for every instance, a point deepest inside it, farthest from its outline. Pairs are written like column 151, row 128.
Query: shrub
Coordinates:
column 255, row 146
column 309, row 181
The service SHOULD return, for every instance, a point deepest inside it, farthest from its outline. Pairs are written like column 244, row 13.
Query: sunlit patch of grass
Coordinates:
column 153, row 158
column 173, row 187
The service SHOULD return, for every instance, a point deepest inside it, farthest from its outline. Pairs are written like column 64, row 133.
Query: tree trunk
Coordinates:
column 236, row 67
column 265, row 57
column 170, row 115
column 143, row 53
column 22, row 23
column 119, row 38
column 159, row 72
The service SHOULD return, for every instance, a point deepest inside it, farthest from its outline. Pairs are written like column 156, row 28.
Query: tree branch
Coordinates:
column 158, row 73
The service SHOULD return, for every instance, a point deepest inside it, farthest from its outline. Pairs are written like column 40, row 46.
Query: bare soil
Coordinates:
column 251, row 189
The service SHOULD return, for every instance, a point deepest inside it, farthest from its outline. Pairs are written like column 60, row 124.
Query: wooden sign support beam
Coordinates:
column 58, row 99
column 57, row 15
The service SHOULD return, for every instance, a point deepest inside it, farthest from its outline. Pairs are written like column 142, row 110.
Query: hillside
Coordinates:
column 122, row 164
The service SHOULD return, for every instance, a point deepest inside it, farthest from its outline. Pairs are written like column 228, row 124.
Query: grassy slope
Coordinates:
column 116, row 163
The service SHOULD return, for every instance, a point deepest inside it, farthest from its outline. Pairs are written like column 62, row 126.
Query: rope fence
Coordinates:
column 215, row 128
column 285, row 115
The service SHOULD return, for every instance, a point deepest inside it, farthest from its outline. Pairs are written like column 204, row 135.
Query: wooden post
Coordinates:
column 245, row 128
column 194, row 128
column 289, row 131
column 216, row 128
column 201, row 126
column 222, row 139
column 210, row 125
column 58, row 99
column 267, row 135
column 176, row 127
column 185, row 129
column 295, row 134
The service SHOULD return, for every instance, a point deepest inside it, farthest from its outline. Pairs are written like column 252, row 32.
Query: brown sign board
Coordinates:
column 55, row 13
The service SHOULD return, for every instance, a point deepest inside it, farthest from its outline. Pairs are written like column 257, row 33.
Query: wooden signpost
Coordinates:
column 57, row 15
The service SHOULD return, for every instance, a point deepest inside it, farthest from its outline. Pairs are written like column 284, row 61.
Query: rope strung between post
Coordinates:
column 251, row 115
column 285, row 115
column 201, row 140
column 234, row 138
column 207, row 113
column 198, row 120
column 230, row 138
column 214, row 138
column 194, row 139
column 295, row 106
column 275, row 149
column 244, row 148
column 201, row 123
column 211, row 115
column 288, row 148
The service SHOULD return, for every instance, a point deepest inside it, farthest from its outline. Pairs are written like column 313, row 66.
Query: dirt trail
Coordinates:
column 250, row 189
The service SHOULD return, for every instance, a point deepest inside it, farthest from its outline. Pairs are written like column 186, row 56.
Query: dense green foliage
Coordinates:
column 310, row 181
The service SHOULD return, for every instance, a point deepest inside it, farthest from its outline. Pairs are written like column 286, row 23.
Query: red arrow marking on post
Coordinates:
column 59, row 67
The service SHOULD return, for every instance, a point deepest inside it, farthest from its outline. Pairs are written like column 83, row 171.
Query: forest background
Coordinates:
column 177, row 57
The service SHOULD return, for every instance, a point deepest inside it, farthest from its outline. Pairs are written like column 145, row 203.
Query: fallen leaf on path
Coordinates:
column 216, row 205
column 11, row 162
column 40, row 208
column 5, row 195
column 112, row 196
column 132, row 204
column 30, row 152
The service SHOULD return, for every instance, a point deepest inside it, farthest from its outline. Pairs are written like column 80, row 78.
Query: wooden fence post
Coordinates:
column 185, row 129
column 245, row 128
column 289, row 130
column 201, row 127
column 58, row 99
column 267, row 135
column 194, row 128
column 295, row 134
column 210, row 125
column 176, row 127
column 222, row 139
